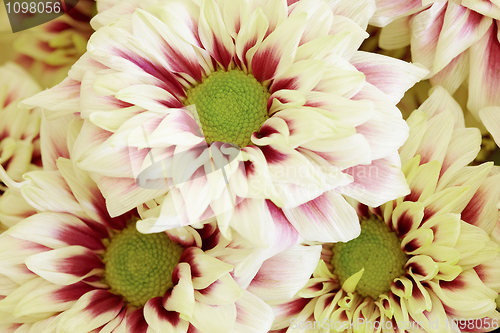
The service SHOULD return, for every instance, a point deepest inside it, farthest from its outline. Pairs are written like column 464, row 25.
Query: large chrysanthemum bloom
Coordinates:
column 49, row 50
column 314, row 118
column 73, row 268
column 19, row 128
column 424, row 259
column 459, row 41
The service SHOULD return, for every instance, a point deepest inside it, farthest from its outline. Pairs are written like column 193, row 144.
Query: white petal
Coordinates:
column 92, row 310
column 67, row 265
column 279, row 279
column 328, row 218
column 490, row 116
column 393, row 77
column 253, row 315
column 376, row 183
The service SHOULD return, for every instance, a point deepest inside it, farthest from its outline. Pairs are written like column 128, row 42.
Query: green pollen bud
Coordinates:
column 378, row 251
column 139, row 266
column 231, row 106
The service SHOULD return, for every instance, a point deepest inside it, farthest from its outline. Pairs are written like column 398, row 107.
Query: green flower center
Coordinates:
column 378, row 251
column 230, row 105
column 139, row 266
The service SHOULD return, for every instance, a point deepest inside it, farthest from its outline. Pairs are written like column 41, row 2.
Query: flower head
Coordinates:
column 185, row 82
column 71, row 267
column 421, row 259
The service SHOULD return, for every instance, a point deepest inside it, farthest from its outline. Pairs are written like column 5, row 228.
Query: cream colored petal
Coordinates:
column 328, row 218
column 253, row 315
column 396, row 34
column 214, row 319
column 484, row 79
column 358, row 11
column 461, row 29
column 213, row 33
column 466, row 296
column 490, row 116
column 278, row 277
column 426, row 28
column 454, row 73
column 94, row 309
column 392, row 76
column 276, row 53
column 66, row 265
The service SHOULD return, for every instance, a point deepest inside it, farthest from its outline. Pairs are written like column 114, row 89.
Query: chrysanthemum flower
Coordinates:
column 313, row 117
column 49, row 50
column 19, row 128
column 457, row 40
column 424, row 259
column 73, row 268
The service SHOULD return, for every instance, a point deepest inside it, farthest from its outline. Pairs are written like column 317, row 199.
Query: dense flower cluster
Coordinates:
column 245, row 166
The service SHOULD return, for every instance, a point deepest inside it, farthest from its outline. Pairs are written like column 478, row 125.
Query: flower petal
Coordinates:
column 461, row 29
column 396, row 34
column 466, row 296
column 278, row 278
column 251, row 34
column 56, row 230
column 123, row 194
column 387, row 11
column 319, row 19
column 453, row 74
column 63, row 99
column 252, row 314
column 393, row 77
column 328, row 218
column 214, row 319
column 407, row 217
column 178, row 54
column 48, row 191
column 92, row 310
column 214, row 34
column 436, row 139
column 160, row 319
column 360, row 11
column 377, row 183
column 181, row 298
column 205, row 269
column 252, row 219
column 426, row 29
column 277, row 52
column 223, row 291
column 53, row 140
column 490, row 116
column 66, row 265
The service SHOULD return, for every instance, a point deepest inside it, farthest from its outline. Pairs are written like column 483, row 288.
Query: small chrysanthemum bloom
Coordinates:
column 315, row 119
column 19, row 128
column 73, row 268
column 459, row 41
column 424, row 259
column 49, row 50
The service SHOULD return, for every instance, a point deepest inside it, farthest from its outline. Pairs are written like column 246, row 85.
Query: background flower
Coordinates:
column 438, row 262
column 19, row 128
column 49, row 50
column 457, row 40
